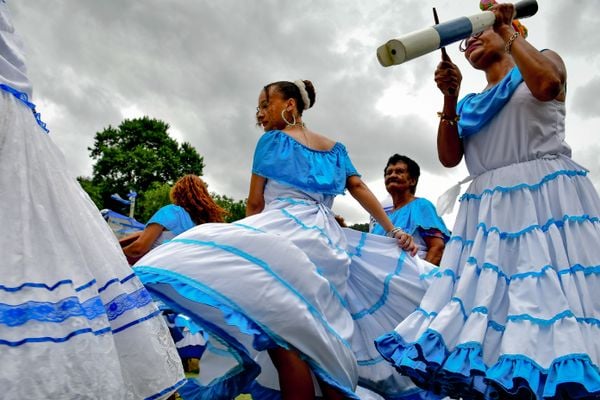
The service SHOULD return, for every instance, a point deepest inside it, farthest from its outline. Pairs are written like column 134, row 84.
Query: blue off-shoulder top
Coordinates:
column 282, row 158
column 173, row 218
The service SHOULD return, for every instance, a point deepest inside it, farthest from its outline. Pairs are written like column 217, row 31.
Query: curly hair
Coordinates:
column 190, row 193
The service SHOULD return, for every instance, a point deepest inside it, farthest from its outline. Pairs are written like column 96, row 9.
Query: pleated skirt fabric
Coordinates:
column 75, row 322
column 514, row 309
column 287, row 277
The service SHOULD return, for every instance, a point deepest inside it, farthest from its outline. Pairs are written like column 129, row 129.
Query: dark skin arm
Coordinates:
column 143, row 243
column 544, row 72
column 449, row 145
column 435, row 249
column 369, row 202
column 256, row 197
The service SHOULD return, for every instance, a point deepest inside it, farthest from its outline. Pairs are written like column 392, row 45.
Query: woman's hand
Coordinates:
column 448, row 77
column 406, row 242
column 504, row 13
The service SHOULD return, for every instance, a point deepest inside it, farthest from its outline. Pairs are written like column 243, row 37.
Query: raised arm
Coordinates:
column 449, row 144
column 544, row 72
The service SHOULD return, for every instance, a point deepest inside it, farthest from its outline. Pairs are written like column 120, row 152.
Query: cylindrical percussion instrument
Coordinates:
column 418, row 43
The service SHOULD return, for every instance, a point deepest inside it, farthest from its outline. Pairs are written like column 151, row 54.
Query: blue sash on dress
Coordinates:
column 477, row 109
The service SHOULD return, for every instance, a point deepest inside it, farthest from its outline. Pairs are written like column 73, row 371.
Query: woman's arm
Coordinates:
column 435, row 249
column 368, row 201
column 127, row 240
column 449, row 145
column 256, row 195
column 544, row 72
column 143, row 244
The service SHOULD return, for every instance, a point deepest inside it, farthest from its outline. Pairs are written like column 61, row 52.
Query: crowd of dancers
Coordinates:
column 293, row 305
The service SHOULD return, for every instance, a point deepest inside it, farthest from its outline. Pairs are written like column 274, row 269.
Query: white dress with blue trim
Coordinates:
column 189, row 339
column 515, row 304
column 416, row 218
column 75, row 322
column 284, row 277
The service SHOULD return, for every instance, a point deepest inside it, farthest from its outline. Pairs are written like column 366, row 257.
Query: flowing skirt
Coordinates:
column 288, row 277
column 514, row 309
column 75, row 322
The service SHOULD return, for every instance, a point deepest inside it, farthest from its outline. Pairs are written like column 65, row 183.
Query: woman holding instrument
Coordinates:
column 513, row 312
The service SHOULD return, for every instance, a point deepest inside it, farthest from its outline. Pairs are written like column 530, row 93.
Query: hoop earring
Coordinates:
column 285, row 119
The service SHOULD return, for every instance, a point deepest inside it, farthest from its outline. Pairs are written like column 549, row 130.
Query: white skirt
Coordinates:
column 75, row 322
column 514, row 307
column 288, row 277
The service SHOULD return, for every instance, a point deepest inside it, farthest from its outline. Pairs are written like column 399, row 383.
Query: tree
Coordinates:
column 136, row 154
column 236, row 209
column 155, row 197
column 361, row 227
column 92, row 190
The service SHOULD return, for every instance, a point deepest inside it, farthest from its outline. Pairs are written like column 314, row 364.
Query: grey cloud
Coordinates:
column 586, row 102
column 200, row 65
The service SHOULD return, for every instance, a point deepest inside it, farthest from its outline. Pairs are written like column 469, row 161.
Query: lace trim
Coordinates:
column 15, row 315
column 125, row 302
column 167, row 390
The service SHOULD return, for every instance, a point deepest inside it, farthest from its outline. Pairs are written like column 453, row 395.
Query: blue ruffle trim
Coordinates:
column 234, row 382
column 521, row 186
column 462, row 372
column 23, row 98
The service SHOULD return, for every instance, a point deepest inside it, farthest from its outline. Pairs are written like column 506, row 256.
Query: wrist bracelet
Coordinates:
column 393, row 232
column 513, row 37
column 450, row 120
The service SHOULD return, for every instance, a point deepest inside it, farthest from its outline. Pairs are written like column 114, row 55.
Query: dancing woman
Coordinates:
column 275, row 290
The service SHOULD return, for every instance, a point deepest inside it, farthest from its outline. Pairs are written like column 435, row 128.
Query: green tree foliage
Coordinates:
column 136, row 154
column 236, row 209
column 155, row 197
column 360, row 227
column 92, row 190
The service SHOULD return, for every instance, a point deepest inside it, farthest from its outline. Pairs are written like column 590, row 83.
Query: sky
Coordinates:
column 200, row 65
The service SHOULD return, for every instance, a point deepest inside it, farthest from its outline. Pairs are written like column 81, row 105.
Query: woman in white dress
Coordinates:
column 514, row 311
column 75, row 322
column 287, row 313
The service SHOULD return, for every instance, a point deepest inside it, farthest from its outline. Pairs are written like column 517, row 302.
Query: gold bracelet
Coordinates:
column 450, row 120
column 513, row 37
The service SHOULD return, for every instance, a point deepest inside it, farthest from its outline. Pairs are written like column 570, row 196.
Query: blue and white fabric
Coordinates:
column 75, row 322
column 514, row 307
column 174, row 219
column 416, row 218
column 289, row 277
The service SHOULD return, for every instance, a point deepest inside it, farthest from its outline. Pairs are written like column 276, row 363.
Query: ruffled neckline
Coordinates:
column 279, row 132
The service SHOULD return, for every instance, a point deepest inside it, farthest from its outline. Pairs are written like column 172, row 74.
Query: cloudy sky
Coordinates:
column 199, row 66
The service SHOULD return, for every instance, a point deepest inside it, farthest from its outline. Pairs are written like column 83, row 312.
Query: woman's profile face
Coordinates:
column 484, row 48
column 268, row 111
